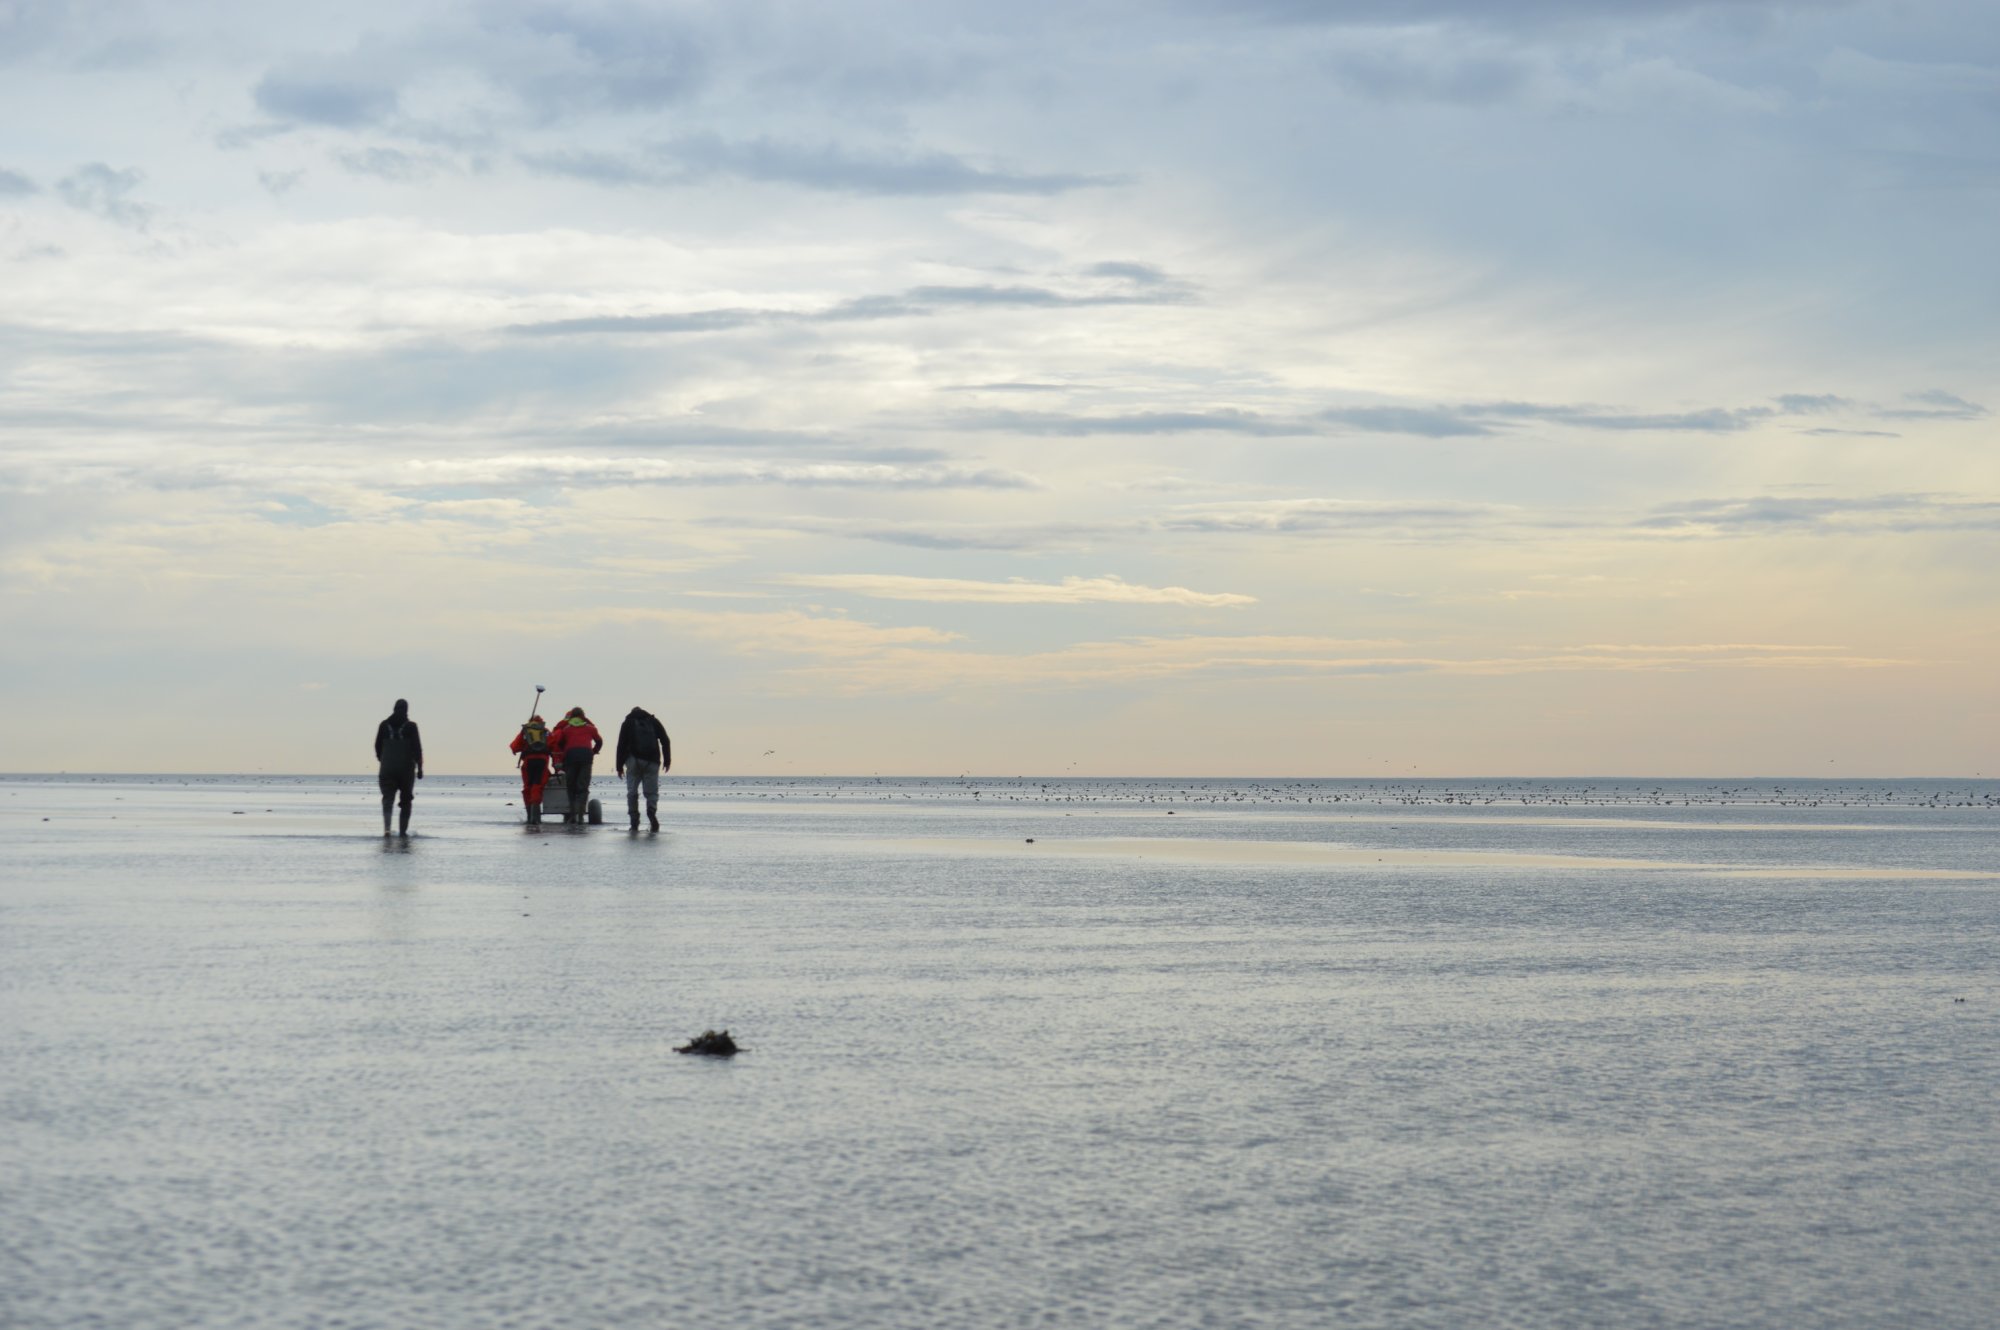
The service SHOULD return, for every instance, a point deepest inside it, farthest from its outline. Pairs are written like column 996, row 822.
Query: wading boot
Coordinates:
column 652, row 816
column 402, row 825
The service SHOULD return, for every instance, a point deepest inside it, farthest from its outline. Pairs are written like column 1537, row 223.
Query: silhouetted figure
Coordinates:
column 399, row 751
column 644, row 751
column 576, row 741
column 532, row 743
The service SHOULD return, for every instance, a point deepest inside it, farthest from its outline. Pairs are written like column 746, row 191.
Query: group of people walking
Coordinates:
column 569, row 746
column 643, row 752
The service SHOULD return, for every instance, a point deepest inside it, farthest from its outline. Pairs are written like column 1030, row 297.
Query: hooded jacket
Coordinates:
column 574, row 732
column 643, row 739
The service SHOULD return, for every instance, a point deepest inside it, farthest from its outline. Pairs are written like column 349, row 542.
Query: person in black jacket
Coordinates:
column 399, row 751
column 644, row 751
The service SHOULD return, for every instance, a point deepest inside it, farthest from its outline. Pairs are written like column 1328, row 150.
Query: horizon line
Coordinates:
column 970, row 776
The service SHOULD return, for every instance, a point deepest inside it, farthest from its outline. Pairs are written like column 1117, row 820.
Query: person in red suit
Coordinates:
column 532, row 747
column 573, row 742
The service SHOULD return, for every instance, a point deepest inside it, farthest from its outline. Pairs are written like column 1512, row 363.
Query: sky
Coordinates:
column 1273, row 387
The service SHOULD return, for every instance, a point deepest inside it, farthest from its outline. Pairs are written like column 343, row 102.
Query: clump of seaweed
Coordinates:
column 712, row 1043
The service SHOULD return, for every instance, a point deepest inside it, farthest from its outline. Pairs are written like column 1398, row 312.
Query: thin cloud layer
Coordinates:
column 1465, row 420
column 107, row 191
column 859, row 657
column 1824, row 516
column 1108, row 590
column 1296, row 516
column 684, row 162
column 527, row 472
column 914, row 302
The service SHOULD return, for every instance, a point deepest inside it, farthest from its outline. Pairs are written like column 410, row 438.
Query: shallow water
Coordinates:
column 259, row 1067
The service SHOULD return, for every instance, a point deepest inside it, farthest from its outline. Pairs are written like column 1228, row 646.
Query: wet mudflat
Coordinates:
column 1539, row 1064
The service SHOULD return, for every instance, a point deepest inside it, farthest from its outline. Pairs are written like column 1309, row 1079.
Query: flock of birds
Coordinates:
column 1194, row 793
column 1366, row 792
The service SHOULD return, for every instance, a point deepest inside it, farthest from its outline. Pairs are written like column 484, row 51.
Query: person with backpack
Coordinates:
column 644, row 751
column 574, row 742
column 532, row 747
column 399, row 753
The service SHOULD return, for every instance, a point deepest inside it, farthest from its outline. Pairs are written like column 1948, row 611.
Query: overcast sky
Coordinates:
column 1266, row 387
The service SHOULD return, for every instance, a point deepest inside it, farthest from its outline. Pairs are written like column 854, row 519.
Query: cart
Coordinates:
column 555, row 803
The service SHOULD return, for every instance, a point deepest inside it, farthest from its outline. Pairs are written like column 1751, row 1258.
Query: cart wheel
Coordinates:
column 596, row 813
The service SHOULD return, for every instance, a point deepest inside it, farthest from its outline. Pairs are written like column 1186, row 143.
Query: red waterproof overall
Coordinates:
column 534, row 774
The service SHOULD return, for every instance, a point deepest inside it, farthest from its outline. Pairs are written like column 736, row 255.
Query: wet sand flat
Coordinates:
column 1266, row 853
column 1259, row 1064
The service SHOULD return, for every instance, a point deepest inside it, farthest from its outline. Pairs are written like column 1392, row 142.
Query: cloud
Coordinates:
column 296, row 510
column 1765, row 514
column 1484, row 417
column 597, row 168
column 781, row 632
column 602, row 471
column 97, row 188
column 339, row 98
column 270, row 473
column 1402, row 76
column 859, row 657
column 690, row 321
column 1691, row 518
column 1429, row 422
column 1334, row 516
column 492, row 68
column 1139, row 274
column 1009, row 537
column 14, row 185
column 28, row 26
column 1708, row 420
column 1035, row 297
column 1707, row 648
column 1934, row 404
column 1226, row 420
column 915, row 302
column 590, row 57
column 392, row 164
column 1070, row 591
column 829, row 167
column 1011, row 387
column 1435, row 421
column 280, row 183
column 1807, row 404
column 1482, row 13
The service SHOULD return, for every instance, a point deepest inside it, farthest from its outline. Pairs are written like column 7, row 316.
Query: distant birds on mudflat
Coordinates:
column 1191, row 795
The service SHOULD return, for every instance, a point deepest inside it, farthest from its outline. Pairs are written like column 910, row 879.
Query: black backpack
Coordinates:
column 399, row 745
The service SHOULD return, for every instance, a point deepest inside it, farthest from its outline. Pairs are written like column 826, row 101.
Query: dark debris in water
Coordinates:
column 713, row 1043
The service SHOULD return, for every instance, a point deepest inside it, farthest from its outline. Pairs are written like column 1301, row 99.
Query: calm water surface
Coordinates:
column 260, row 1068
